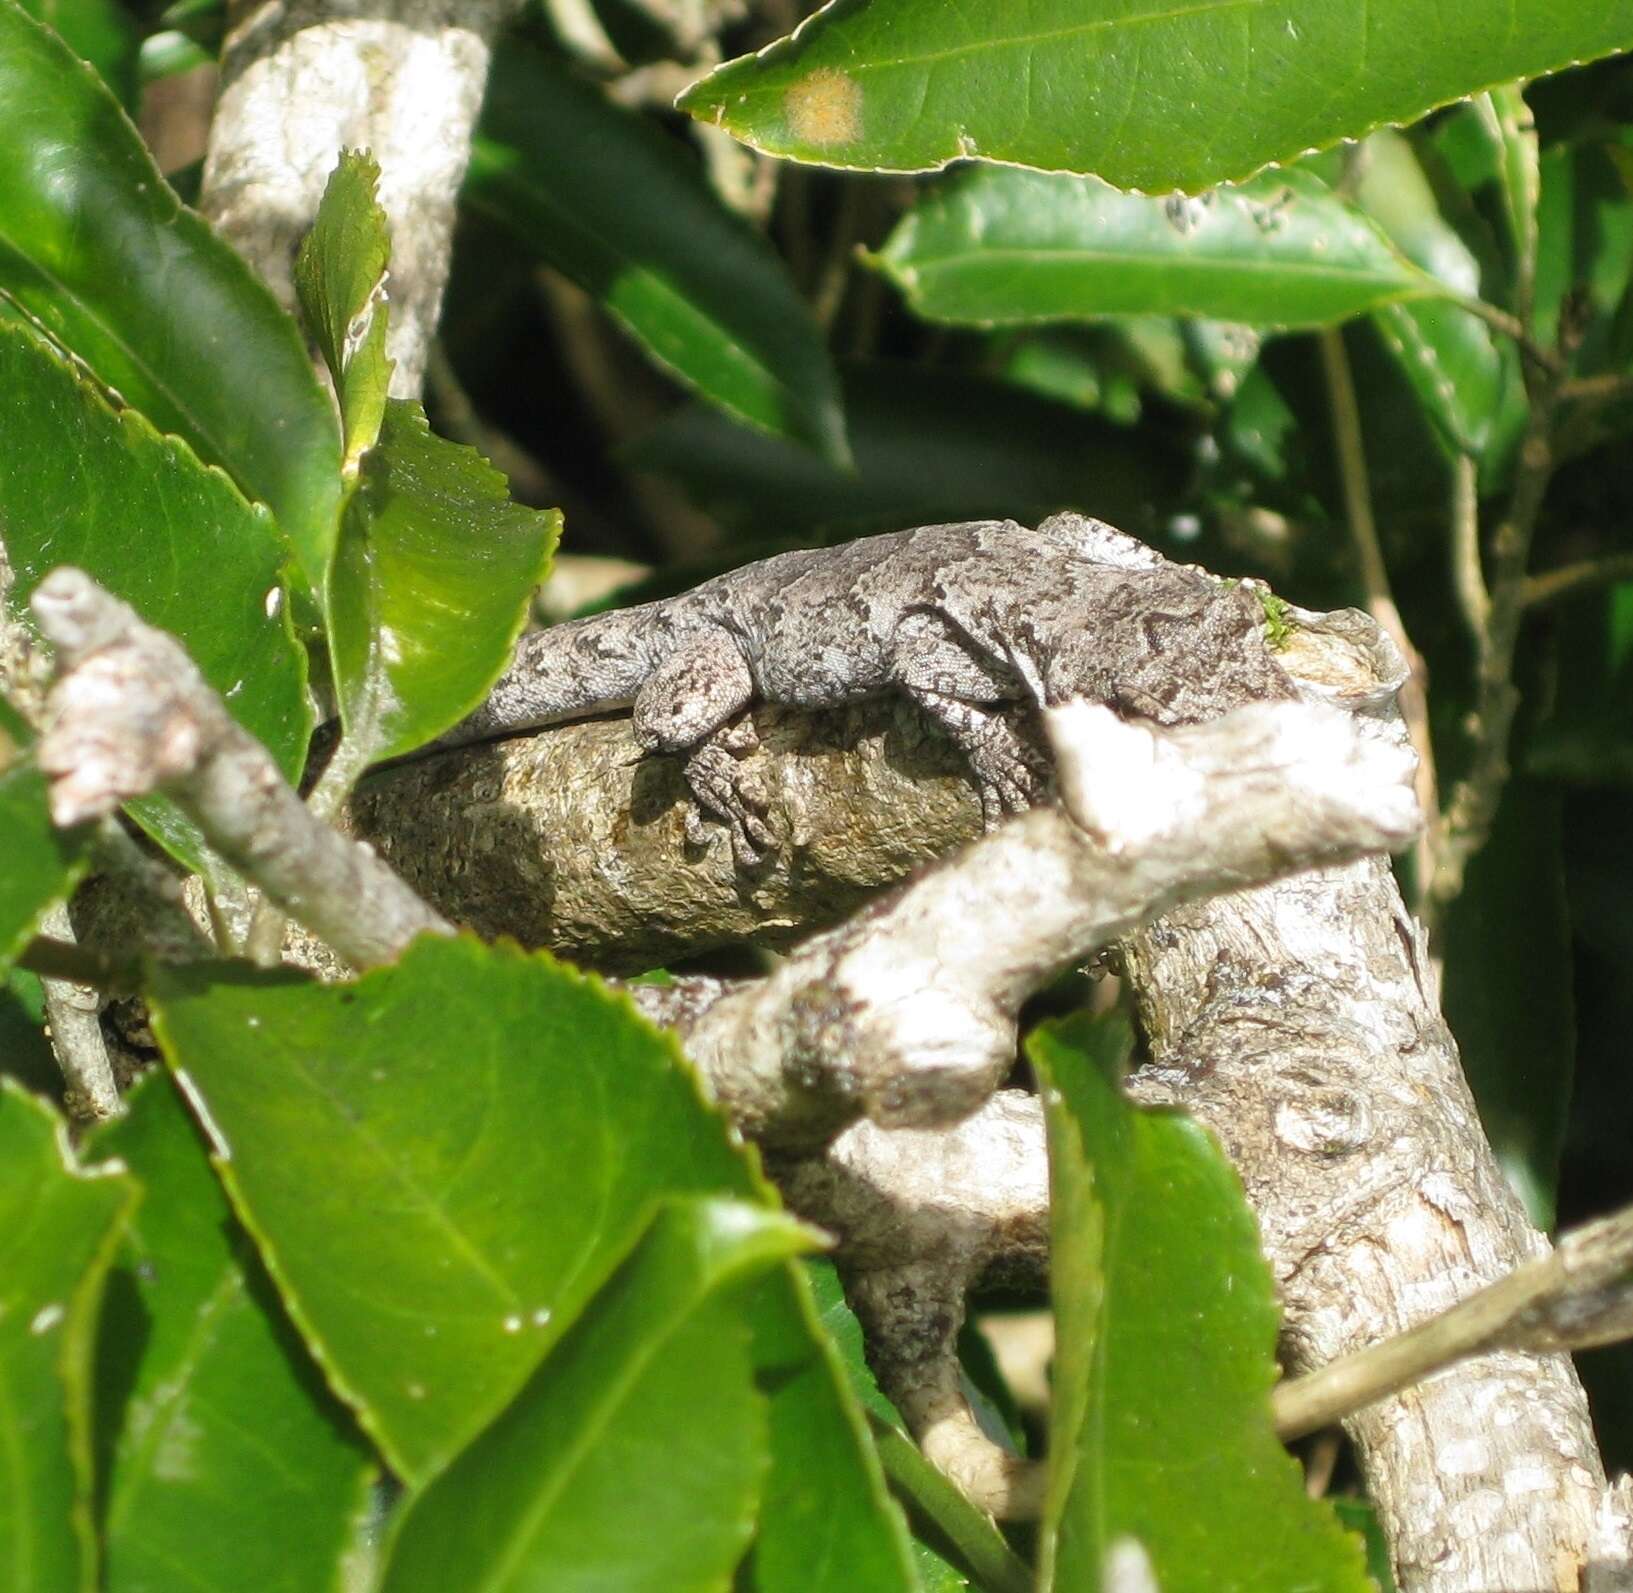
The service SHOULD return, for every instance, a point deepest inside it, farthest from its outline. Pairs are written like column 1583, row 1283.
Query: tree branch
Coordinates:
column 130, row 714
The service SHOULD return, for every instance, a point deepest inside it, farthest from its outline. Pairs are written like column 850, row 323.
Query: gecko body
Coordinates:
column 967, row 620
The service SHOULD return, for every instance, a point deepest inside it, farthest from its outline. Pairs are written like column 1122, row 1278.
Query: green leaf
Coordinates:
column 431, row 585
column 634, row 1456
column 1508, row 123
column 1587, row 736
column 826, row 1523
column 1507, row 990
column 97, row 249
column 1360, row 1515
column 58, row 1228
column 618, row 207
column 1584, row 247
column 87, row 485
column 930, row 444
column 1165, row 1321
column 939, row 1510
column 42, row 862
column 25, row 1052
column 1143, row 93
column 994, row 246
column 102, row 32
column 339, row 278
column 227, row 1464
column 440, row 1163
column 1468, row 383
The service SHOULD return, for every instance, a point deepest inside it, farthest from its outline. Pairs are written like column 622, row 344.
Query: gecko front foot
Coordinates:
column 729, row 794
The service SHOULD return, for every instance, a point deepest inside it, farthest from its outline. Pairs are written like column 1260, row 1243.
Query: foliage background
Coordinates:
column 694, row 384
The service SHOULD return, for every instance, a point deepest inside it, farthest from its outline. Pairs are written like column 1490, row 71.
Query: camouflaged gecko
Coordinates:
column 966, row 620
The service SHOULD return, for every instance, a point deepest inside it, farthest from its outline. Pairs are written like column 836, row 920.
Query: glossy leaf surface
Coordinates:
column 1466, row 379
column 90, row 486
column 1166, row 1322
column 941, row 1509
column 1143, row 93
column 634, row 1456
column 616, row 206
column 826, row 1523
column 95, row 245
column 440, row 1164
column 58, row 1228
column 102, row 32
column 431, row 584
column 995, row 246
column 228, row 1464
column 338, row 277
column 42, row 862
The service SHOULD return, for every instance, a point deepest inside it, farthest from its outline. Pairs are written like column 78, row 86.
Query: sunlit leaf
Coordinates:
column 1143, row 93
column 228, row 1464
column 96, row 247
column 615, row 205
column 995, row 246
column 58, row 1228
column 1166, row 1320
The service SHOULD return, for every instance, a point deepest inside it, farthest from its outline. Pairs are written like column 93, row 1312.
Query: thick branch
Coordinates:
column 907, row 1012
column 1300, row 1020
column 568, row 839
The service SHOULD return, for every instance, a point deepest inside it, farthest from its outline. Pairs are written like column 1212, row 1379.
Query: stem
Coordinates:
column 1473, row 805
column 829, row 287
column 1551, row 585
column 971, row 1534
column 72, row 1010
column 1374, row 573
column 53, row 958
column 1596, row 389
column 1546, row 360
column 1468, row 576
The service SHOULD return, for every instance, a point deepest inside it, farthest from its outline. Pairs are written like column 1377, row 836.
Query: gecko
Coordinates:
column 969, row 621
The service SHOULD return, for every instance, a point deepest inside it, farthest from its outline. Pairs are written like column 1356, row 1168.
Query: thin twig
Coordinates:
column 1576, row 1297
column 969, row 1533
column 828, row 290
column 73, row 1011
column 1602, row 389
column 1546, row 360
column 54, row 958
column 130, row 714
column 1468, row 575
column 1549, row 586
column 1473, row 805
column 1363, row 527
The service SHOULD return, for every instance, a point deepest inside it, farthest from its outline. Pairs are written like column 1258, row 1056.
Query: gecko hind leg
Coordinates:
column 1011, row 775
column 691, row 705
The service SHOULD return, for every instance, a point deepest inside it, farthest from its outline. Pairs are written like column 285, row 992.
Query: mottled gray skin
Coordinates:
column 964, row 619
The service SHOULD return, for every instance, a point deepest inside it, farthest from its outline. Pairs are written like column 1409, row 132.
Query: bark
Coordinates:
column 130, row 714
column 302, row 80
column 569, row 840
column 1301, row 1021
